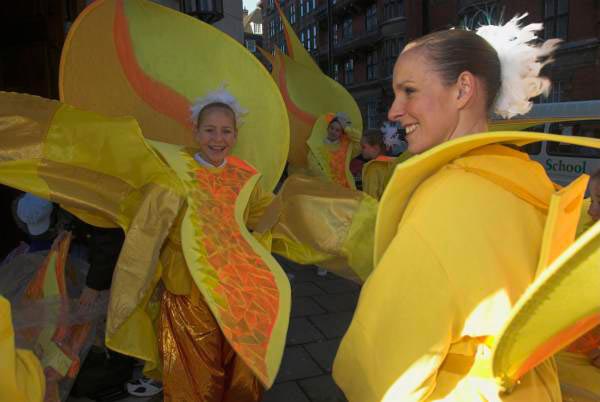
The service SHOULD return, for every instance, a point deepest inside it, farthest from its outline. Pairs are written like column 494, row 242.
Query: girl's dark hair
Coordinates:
column 373, row 137
column 454, row 51
column 216, row 105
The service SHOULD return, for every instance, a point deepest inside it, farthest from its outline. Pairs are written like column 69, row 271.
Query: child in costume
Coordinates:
column 454, row 255
column 198, row 362
column 371, row 147
column 328, row 155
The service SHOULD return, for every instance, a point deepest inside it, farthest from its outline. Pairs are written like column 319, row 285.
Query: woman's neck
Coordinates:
column 470, row 125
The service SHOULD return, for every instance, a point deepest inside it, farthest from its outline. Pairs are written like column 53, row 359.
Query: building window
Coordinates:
column 280, row 24
column 371, row 18
column 372, row 65
column 271, row 3
column 282, row 47
column 349, row 72
column 372, row 116
column 393, row 9
column 336, row 72
column 271, row 28
column 556, row 19
column 314, row 37
column 302, row 7
column 308, row 39
column 256, row 28
column 347, row 29
column 336, row 37
column 292, row 13
column 251, row 45
column 302, row 39
column 391, row 49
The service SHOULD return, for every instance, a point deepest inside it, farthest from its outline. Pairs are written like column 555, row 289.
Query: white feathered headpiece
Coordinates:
column 343, row 119
column 221, row 95
column 520, row 64
column 391, row 135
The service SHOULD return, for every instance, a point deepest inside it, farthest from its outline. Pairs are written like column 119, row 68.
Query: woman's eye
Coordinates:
column 409, row 90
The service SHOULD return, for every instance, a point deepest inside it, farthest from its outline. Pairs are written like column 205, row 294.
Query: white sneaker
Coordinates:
column 321, row 271
column 144, row 387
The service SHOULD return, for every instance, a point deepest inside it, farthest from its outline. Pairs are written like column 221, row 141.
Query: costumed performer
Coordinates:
column 371, row 147
column 330, row 151
column 198, row 362
column 464, row 245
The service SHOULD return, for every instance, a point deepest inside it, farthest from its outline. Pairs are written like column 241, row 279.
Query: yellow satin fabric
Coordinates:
column 376, row 174
column 325, row 224
column 21, row 375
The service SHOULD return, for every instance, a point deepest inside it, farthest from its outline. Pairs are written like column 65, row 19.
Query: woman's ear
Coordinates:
column 466, row 85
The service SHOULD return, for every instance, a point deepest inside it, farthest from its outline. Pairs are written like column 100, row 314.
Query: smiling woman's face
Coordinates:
column 422, row 103
column 216, row 134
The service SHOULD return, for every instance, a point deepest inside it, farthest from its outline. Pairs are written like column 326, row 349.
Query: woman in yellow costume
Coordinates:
column 456, row 250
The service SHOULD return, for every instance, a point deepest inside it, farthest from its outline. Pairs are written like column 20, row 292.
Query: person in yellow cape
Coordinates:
column 21, row 375
column 455, row 251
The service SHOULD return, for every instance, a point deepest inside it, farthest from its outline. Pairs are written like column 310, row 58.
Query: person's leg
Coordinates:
column 190, row 345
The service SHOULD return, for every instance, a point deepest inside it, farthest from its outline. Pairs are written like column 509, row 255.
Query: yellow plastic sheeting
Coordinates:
column 138, row 58
column 21, row 375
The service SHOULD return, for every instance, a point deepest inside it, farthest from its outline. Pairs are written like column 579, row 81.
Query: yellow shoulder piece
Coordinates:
column 408, row 175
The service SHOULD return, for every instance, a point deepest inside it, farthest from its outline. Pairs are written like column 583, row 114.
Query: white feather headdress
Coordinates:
column 221, row 95
column 343, row 119
column 391, row 134
column 520, row 64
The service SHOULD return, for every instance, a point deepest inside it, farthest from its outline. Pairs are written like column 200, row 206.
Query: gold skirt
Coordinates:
column 199, row 365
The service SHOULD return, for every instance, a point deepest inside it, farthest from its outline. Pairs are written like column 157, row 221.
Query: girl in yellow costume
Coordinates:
column 198, row 362
column 329, row 155
column 452, row 265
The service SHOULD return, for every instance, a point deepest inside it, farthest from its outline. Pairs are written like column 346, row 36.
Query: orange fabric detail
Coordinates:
column 291, row 106
column 240, row 163
column 587, row 343
column 337, row 162
column 557, row 342
column 160, row 97
column 245, row 282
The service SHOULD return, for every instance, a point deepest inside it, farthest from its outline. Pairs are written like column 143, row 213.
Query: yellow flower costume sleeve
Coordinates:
column 21, row 375
column 102, row 170
column 309, row 95
column 138, row 58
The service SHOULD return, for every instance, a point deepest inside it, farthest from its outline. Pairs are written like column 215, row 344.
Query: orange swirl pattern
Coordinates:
column 337, row 162
column 247, row 294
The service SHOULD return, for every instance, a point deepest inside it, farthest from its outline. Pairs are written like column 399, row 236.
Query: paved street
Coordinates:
column 322, row 307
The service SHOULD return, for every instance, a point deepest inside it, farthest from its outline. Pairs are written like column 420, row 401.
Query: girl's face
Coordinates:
column 216, row 134
column 422, row 103
column 334, row 131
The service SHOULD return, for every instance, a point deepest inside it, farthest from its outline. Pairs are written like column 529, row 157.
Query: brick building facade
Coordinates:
column 367, row 36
